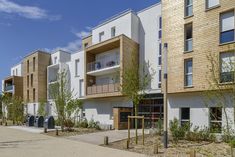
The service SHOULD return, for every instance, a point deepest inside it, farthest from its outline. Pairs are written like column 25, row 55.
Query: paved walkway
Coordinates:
column 18, row 143
column 98, row 137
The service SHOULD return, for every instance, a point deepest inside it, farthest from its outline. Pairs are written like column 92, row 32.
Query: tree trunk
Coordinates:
column 136, row 125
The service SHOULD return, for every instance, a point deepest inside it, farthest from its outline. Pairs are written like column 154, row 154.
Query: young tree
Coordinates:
column 221, row 91
column 42, row 108
column 0, row 105
column 6, row 100
column 16, row 110
column 135, row 86
column 63, row 98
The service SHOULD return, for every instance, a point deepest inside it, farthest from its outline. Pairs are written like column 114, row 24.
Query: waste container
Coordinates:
column 38, row 122
column 30, row 121
column 49, row 122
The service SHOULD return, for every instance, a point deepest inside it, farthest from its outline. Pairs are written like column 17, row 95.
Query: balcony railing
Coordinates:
column 103, row 63
column 101, row 89
column 9, row 88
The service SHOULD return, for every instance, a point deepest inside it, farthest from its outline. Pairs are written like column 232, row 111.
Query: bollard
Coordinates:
column 106, row 140
column 57, row 132
column 45, row 130
column 5, row 123
column 193, row 153
column 155, row 149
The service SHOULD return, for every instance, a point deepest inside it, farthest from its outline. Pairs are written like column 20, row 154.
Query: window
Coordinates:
column 188, row 8
column 34, row 109
column 55, row 60
column 86, row 45
column 159, row 34
column 159, row 60
column 28, row 81
column 188, row 72
column 31, row 80
column 81, row 90
column 184, row 116
column 227, row 27
column 27, row 66
column 77, row 67
column 27, row 95
column 16, row 72
column 34, row 92
column 216, row 119
column 227, row 62
column 211, row 3
column 160, row 75
column 160, row 49
column 188, row 37
column 101, row 36
column 113, row 32
column 13, row 72
column 160, row 22
column 34, row 62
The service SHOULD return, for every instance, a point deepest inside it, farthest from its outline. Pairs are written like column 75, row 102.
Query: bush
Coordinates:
column 232, row 143
column 159, row 127
column 198, row 134
column 69, row 124
column 83, row 124
column 93, row 124
column 178, row 132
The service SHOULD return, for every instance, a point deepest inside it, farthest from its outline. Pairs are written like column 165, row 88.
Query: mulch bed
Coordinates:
column 183, row 148
column 76, row 131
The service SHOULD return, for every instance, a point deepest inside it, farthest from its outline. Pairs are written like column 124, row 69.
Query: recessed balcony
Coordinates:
column 9, row 88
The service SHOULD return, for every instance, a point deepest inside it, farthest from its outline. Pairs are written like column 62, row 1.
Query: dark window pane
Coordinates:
column 227, row 36
column 160, row 75
column 160, row 49
column 185, row 113
column 160, row 34
column 159, row 60
column 216, row 113
column 227, row 77
column 160, row 22
column 189, row 31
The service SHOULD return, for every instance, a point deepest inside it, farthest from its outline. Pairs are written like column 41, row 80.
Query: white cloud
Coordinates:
column 30, row 12
column 76, row 44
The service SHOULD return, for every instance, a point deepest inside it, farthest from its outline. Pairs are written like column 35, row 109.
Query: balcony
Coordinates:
column 102, row 89
column 106, row 65
column 9, row 88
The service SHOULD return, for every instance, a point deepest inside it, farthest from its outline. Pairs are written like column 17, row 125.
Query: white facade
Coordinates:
column 17, row 70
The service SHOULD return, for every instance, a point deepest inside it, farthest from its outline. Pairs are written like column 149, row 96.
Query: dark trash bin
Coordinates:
column 38, row 122
column 49, row 122
column 30, row 121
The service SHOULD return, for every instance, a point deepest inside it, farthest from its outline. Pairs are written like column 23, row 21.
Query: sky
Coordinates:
column 28, row 25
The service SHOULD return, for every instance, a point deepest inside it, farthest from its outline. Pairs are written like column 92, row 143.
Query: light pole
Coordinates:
column 165, row 97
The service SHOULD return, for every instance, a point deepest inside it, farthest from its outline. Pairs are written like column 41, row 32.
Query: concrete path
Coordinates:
column 18, row 143
column 98, row 137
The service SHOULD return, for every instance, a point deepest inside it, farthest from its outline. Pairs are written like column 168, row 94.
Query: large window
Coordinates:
column 227, row 27
column 160, row 28
column 31, row 80
column 216, row 119
column 188, row 8
column 34, row 64
column 188, row 37
column 211, row 3
column 188, row 72
column 227, row 63
column 184, row 116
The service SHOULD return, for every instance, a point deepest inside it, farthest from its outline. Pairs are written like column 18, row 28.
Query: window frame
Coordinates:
column 185, row 37
column 100, row 36
column 77, row 61
column 186, row 75
column 215, row 121
column 220, row 29
column 186, row 7
column 184, row 120
column 212, row 7
column 113, row 32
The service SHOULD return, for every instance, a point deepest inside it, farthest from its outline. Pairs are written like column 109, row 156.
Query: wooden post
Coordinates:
column 128, row 128
column 155, row 149
column 143, row 129
column 45, row 130
column 106, row 140
column 6, row 123
column 193, row 153
column 57, row 132
column 127, row 144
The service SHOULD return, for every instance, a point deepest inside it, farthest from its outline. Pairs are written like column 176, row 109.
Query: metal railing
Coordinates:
column 103, row 63
column 106, row 88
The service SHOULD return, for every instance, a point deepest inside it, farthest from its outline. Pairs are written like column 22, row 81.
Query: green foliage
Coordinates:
column 198, row 134
column 159, row 127
column 232, row 143
column 41, row 109
column 93, row 124
column 82, row 124
column 69, row 124
column 178, row 132
column 16, row 110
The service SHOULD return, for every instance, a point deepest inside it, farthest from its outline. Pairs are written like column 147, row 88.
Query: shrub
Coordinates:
column 177, row 131
column 232, row 143
column 69, row 124
column 83, row 124
column 198, row 134
column 93, row 124
column 159, row 127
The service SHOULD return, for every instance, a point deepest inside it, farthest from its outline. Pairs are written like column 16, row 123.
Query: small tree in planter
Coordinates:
column 64, row 102
column 134, row 86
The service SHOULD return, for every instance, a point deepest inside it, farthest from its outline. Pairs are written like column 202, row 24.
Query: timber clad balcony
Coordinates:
column 102, row 89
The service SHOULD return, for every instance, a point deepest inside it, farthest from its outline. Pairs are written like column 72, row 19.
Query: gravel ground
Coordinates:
column 183, row 148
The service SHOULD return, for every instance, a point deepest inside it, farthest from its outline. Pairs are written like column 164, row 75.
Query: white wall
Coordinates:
column 126, row 23
column 149, row 42
column 102, row 109
column 75, row 79
column 62, row 57
column 17, row 70
column 199, row 112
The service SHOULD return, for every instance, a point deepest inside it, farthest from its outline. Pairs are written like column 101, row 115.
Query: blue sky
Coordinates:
column 27, row 25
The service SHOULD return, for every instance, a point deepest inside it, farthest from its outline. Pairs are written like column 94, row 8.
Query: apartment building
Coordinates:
column 192, row 30
column 35, row 80
column 107, row 52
